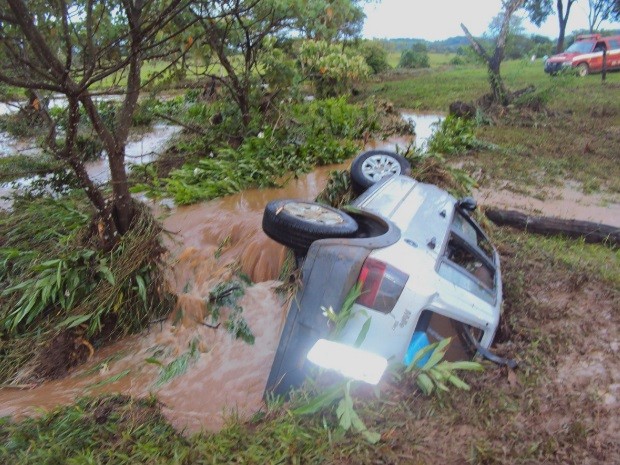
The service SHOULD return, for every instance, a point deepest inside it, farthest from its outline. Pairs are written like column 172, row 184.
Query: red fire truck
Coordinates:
column 585, row 55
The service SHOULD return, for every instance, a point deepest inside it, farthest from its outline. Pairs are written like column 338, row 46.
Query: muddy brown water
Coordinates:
column 227, row 376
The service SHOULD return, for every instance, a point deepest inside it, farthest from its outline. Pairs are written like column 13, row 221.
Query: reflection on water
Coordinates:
column 425, row 125
column 143, row 149
column 139, row 150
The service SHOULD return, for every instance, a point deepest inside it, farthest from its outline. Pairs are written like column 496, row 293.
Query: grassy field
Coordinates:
column 573, row 136
column 435, row 59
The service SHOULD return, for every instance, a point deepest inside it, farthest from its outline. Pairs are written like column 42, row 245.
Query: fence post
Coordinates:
column 604, row 74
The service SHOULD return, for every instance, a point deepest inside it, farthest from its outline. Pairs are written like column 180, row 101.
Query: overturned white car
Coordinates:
column 425, row 269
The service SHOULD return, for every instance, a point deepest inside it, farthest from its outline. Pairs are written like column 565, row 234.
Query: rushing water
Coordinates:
column 210, row 242
column 228, row 376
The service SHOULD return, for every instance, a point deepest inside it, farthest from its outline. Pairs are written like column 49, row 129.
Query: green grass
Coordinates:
column 435, row 59
column 436, row 88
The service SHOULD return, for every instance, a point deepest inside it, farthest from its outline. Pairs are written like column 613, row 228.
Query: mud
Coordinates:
column 567, row 202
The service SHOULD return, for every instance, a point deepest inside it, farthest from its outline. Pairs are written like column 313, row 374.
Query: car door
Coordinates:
column 596, row 61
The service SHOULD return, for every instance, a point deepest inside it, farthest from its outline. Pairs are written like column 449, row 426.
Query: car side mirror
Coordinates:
column 468, row 204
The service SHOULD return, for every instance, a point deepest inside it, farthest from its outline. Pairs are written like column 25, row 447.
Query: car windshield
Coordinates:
column 580, row 47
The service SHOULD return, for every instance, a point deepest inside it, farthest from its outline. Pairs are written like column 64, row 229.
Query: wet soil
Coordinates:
column 567, row 202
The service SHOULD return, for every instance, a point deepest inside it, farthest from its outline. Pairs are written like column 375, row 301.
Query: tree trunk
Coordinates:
column 497, row 84
column 560, row 45
column 494, row 62
column 589, row 231
column 122, row 205
column 563, row 21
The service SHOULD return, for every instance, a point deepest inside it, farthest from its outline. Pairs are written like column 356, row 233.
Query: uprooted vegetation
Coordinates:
column 299, row 137
column 61, row 296
column 558, row 407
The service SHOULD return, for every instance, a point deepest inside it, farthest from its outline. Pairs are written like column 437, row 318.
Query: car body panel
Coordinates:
column 418, row 220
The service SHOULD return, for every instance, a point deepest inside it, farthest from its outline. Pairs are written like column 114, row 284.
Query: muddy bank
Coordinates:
column 567, row 202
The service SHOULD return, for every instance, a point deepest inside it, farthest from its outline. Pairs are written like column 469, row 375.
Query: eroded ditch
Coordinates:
column 212, row 243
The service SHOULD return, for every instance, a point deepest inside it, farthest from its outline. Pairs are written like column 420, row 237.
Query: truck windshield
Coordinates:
column 580, row 47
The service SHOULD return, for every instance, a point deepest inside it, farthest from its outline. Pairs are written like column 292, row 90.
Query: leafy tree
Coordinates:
column 539, row 11
column 599, row 11
column 415, row 57
column 375, row 55
column 71, row 47
column 328, row 20
column 517, row 44
column 235, row 31
column 331, row 67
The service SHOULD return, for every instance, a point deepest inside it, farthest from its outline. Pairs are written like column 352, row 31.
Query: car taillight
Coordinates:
column 382, row 285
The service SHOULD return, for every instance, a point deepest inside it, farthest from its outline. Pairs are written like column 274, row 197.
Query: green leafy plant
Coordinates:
column 227, row 295
column 415, row 57
column 348, row 419
column 54, row 282
column 178, row 366
column 310, row 134
column 453, row 136
column 339, row 319
column 331, row 67
column 337, row 191
column 436, row 373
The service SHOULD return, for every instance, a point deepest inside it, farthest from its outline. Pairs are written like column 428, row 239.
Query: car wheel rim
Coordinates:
column 313, row 213
column 378, row 167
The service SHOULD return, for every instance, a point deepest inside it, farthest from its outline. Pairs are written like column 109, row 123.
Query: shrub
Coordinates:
column 331, row 67
column 415, row 57
column 55, row 286
column 375, row 55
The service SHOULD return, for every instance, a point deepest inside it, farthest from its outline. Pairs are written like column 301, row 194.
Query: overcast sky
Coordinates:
column 440, row 19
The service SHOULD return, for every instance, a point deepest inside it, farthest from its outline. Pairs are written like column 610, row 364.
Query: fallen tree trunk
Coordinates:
column 589, row 231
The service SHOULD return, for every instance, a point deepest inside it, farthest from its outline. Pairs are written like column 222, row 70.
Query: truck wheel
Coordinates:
column 583, row 69
column 297, row 223
column 372, row 166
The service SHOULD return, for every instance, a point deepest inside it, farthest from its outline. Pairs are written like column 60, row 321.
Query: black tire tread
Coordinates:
column 298, row 234
column 360, row 182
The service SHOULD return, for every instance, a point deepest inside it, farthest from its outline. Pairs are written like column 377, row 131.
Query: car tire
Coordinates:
column 583, row 69
column 373, row 166
column 297, row 223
